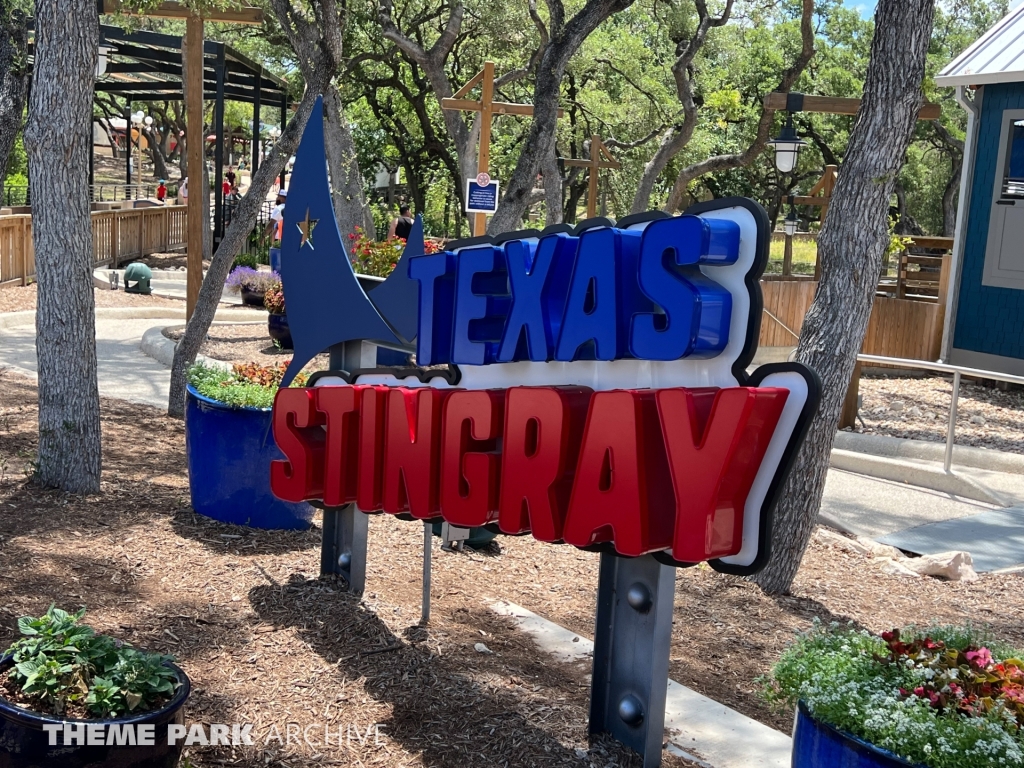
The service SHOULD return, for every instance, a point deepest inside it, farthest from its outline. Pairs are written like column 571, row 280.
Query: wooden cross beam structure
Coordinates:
column 192, row 58
column 600, row 158
column 831, row 105
column 487, row 107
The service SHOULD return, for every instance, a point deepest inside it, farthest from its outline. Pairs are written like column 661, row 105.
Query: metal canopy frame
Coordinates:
column 146, row 66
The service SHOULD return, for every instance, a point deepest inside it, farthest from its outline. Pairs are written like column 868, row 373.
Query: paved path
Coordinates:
column 124, row 371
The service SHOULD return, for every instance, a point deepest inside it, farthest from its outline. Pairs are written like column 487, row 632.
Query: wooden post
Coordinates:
column 484, row 158
column 600, row 158
column 848, row 418
column 197, row 196
column 787, row 258
column 487, row 107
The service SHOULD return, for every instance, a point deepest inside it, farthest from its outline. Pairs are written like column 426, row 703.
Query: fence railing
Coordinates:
column 117, row 236
column 958, row 371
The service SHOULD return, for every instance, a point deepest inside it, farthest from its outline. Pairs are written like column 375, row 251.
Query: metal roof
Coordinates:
column 996, row 57
column 146, row 66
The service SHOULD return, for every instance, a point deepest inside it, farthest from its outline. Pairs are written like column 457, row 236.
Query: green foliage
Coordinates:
column 865, row 685
column 61, row 663
column 245, row 386
column 246, row 259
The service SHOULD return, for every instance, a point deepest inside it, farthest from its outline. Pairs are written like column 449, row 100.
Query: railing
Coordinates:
column 958, row 371
column 117, row 236
column 19, row 195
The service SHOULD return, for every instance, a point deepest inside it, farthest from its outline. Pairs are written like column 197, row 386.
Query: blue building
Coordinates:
column 984, row 326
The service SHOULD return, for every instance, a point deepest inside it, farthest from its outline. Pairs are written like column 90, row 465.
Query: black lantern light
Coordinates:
column 787, row 146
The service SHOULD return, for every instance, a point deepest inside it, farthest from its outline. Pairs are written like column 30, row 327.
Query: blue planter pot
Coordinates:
column 229, row 453
column 277, row 327
column 817, row 745
column 24, row 743
column 275, row 260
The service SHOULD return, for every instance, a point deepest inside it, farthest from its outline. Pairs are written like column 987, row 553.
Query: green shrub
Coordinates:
column 64, row 667
column 246, row 259
column 247, row 385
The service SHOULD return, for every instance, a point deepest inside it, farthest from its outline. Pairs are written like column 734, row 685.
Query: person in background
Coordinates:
column 225, row 187
column 161, row 191
column 401, row 226
column 230, row 201
column 230, row 176
column 276, row 223
column 183, row 191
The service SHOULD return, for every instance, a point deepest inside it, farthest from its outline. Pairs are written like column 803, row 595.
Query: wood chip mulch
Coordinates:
column 266, row 641
column 19, row 298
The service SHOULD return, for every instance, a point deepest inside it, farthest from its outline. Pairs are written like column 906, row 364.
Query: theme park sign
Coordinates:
column 586, row 385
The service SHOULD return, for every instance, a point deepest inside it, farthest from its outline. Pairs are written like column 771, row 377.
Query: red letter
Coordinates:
column 412, row 451
column 298, row 434
column 372, row 405
column 543, row 432
column 716, row 440
column 470, row 462
column 622, row 491
column 341, row 407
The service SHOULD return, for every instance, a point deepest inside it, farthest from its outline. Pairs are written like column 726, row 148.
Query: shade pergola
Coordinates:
column 146, row 66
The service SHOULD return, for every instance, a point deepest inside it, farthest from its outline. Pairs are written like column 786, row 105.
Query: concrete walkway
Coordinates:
column 123, row 371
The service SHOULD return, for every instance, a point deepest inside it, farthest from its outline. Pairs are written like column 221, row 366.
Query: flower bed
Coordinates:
column 941, row 698
column 379, row 257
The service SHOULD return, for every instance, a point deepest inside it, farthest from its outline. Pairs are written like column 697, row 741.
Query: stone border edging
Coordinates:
column 902, row 448
column 161, row 348
column 913, row 472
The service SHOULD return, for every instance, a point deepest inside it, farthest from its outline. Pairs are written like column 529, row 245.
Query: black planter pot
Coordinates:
column 277, row 327
column 24, row 743
column 251, row 298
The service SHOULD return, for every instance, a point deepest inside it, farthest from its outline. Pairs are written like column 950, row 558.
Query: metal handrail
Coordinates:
column 957, row 371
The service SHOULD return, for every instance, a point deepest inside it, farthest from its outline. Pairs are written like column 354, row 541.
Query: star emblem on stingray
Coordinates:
column 306, row 227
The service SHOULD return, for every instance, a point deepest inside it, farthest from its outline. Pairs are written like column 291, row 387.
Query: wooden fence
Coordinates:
column 117, row 236
column 907, row 328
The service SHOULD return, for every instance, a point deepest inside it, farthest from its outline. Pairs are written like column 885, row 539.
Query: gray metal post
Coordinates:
column 428, row 535
column 218, row 149
column 951, row 429
column 256, row 124
column 631, row 650
column 343, row 550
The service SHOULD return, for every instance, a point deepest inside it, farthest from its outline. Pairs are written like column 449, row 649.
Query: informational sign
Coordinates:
column 481, row 198
column 483, row 179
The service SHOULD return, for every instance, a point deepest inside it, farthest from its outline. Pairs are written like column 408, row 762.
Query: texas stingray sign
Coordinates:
column 585, row 385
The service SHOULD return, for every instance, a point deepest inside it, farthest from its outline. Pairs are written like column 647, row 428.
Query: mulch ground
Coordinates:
column 918, row 408
column 19, row 298
column 266, row 641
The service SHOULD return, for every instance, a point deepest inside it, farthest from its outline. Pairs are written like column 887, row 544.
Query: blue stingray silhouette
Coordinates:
column 397, row 298
column 325, row 302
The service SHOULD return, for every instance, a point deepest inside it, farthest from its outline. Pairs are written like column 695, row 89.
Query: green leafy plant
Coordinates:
column 246, row 385
column 64, row 667
column 944, row 698
column 246, row 259
column 273, row 300
column 379, row 257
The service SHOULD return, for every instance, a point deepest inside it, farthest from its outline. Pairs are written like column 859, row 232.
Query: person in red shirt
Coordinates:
column 226, row 187
column 161, row 191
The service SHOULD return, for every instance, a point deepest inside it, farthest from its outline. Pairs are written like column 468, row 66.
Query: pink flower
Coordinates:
column 980, row 658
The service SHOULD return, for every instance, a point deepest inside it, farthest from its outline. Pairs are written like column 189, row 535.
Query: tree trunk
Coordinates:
column 156, row 154
column 346, row 181
column 67, row 37
column 234, row 237
column 13, row 80
column 950, row 196
column 852, row 243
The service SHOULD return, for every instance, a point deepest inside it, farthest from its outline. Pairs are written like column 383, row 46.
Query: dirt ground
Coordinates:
column 266, row 641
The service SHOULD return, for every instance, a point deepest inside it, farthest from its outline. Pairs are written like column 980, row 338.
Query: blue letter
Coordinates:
column 436, row 276
column 696, row 311
column 481, row 303
column 603, row 296
column 538, row 277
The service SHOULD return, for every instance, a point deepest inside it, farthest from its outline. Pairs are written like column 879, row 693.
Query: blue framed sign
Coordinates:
column 481, row 198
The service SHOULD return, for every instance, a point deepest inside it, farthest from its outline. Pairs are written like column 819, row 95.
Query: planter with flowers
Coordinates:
column 252, row 284
column 229, row 445
column 277, row 320
column 942, row 698
column 61, row 672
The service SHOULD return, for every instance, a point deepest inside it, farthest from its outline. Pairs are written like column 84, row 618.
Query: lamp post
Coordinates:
column 789, row 226
column 140, row 121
